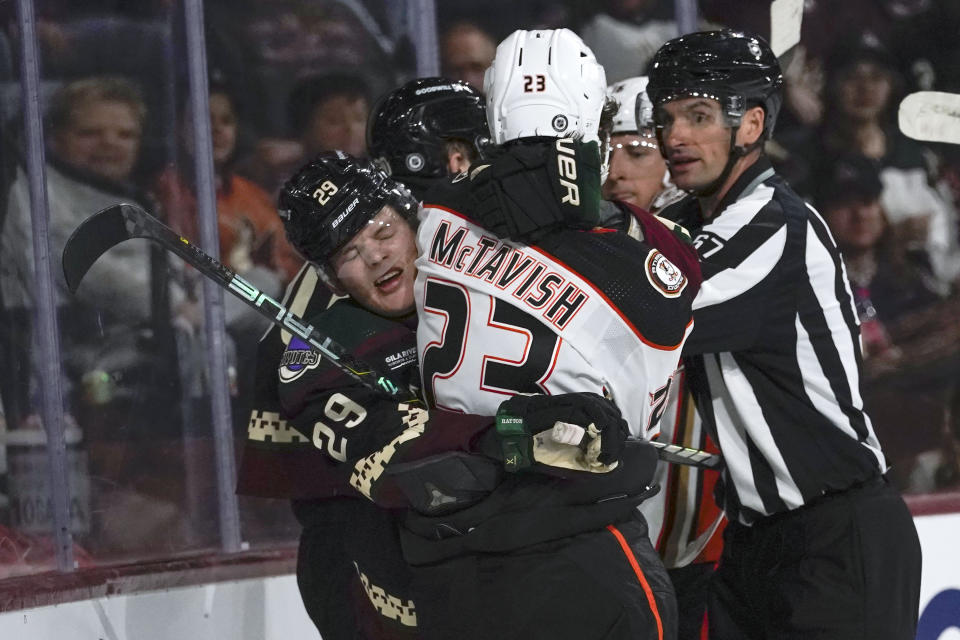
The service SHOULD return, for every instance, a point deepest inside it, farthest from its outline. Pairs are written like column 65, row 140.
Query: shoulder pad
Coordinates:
column 449, row 193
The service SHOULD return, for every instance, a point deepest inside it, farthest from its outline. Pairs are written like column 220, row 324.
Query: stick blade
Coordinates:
column 90, row 240
column 931, row 116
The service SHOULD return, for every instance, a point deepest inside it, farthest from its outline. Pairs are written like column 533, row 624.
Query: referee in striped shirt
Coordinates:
column 818, row 546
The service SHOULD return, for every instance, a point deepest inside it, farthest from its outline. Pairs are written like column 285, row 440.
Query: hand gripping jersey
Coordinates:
column 581, row 311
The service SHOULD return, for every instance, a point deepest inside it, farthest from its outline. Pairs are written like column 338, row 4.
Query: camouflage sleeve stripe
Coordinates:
column 368, row 470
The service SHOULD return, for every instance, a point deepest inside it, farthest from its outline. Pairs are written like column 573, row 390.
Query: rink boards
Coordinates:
column 270, row 608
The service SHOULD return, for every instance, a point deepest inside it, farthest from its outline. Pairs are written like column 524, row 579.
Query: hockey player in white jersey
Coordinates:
column 578, row 286
column 638, row 173
column 588, row 309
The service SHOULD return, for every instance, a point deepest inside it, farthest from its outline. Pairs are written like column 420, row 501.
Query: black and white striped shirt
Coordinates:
column 774, row 358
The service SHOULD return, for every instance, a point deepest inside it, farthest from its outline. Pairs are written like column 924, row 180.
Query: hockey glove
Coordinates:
column 580, row 431
column 532, row 189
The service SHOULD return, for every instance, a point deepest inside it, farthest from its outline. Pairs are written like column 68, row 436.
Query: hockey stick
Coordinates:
column 566, row 433
column 120, row 222
column 111, row 226
column 931, row 116
column 685, row 455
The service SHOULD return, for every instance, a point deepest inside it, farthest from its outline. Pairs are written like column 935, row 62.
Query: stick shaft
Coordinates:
column 124, row 221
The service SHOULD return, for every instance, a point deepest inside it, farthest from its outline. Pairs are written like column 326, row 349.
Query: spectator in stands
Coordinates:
column 466, row 51
column 328, row 112
column 909, row 332
column 94, row 128
column 116, row 339
column 252, row 240
column 886, row 284
column 863, row 86
column 324, row 113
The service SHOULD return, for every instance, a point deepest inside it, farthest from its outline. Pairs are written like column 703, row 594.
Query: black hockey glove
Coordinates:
column 579, row 431
column 531, row 189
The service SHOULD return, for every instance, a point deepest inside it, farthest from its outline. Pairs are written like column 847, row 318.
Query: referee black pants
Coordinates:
column 845, row 567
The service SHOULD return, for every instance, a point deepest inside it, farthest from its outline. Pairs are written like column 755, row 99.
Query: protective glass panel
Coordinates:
column 290, row 78
column 286, row 81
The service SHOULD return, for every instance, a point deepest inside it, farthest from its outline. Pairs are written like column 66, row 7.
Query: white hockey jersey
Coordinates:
column 585, row 311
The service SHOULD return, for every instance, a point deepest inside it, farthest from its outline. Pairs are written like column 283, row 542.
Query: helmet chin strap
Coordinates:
column 732, row 157
column 736, row 152
column 603, row 146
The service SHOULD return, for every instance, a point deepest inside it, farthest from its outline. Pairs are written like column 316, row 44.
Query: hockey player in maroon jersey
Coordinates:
column 440, row 124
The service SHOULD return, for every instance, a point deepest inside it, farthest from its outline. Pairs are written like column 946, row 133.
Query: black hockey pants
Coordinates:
column 603, row 584
column 352, row 577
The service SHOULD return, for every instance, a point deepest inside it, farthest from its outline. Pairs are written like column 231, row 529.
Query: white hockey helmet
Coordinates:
column 544, row 83
column 634, row 110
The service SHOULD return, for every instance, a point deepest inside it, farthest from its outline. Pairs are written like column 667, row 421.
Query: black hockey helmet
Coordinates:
column 330, row 199
column 738, row 70
column 409, row 126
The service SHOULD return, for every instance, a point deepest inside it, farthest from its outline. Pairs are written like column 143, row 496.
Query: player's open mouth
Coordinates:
column 389, row 280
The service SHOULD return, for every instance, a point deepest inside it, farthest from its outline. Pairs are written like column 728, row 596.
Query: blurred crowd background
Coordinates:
column 289, row 78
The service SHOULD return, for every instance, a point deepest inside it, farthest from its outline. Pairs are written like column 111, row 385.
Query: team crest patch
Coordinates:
column 664, row 275
column 297, row 360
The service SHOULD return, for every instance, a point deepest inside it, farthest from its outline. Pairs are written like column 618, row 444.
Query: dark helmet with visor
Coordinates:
column 737, row 70
column 410, row 126
column 332, row 198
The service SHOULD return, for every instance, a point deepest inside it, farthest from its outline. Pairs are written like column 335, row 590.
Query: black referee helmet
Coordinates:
column 737, row 70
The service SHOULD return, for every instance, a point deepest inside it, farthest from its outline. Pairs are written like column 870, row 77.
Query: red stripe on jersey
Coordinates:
column 632, row 559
